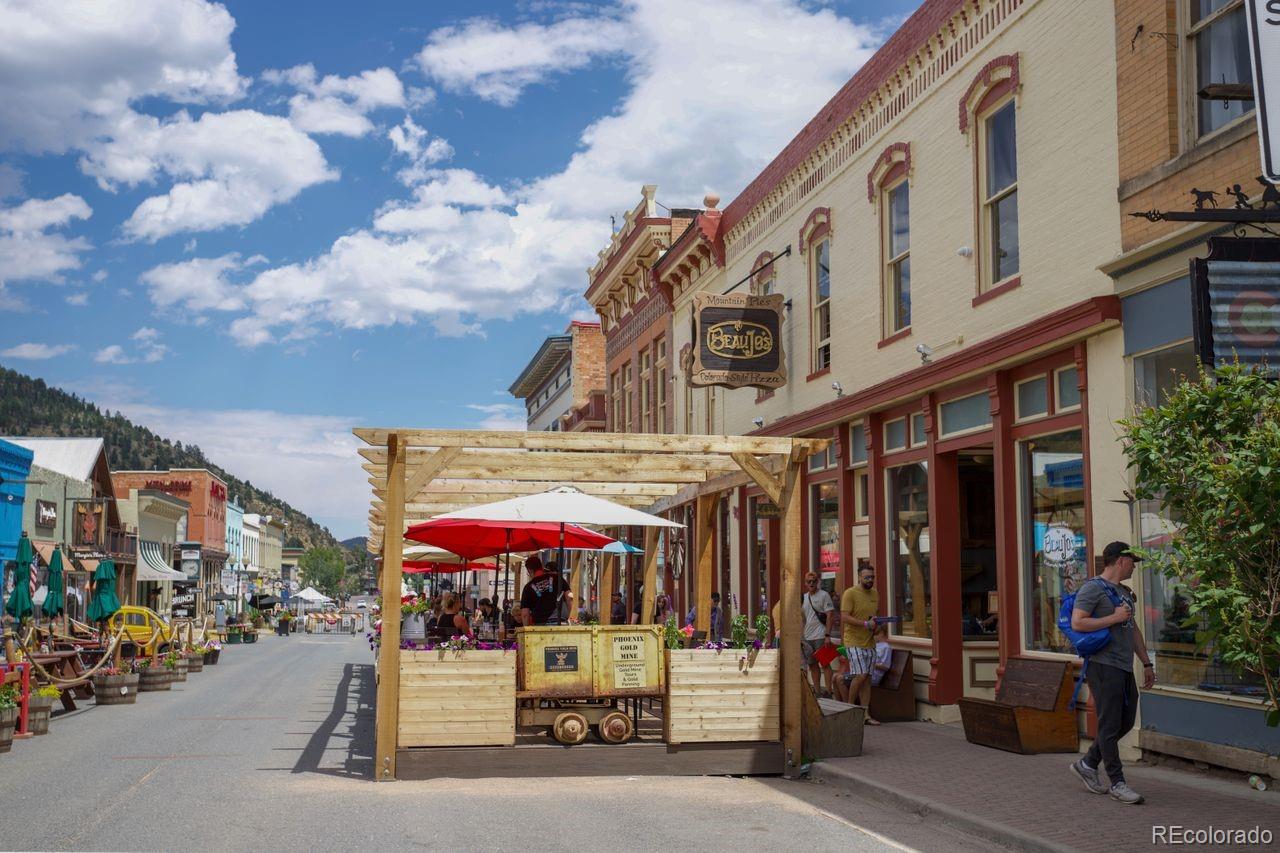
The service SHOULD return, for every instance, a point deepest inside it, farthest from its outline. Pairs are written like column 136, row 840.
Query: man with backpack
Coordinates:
column 1104, row 603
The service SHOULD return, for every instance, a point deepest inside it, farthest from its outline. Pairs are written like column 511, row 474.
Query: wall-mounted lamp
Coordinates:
column 965, row 252
column 759, row 422
column 926, row 351
column 838, row 388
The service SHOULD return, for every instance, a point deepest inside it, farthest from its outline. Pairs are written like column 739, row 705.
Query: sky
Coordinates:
column 253, row 226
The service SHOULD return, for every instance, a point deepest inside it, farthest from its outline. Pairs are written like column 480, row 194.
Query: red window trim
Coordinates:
column 818, row 374
column 999, row 290
column 986, row 85
column 894, row 162
column 895, row 337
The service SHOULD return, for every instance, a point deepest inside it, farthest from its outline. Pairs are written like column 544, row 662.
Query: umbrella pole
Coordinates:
column 560, row 555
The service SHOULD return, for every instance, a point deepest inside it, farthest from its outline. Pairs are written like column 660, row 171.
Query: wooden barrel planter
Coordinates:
column 195, row 663
column 179, row 672
column 211, row 658
column 8, row 722
column 115, row 689
column 154, row 679
column 38, row 710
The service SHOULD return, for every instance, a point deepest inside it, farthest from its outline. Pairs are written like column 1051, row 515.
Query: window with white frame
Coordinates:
column 965, row 414
column 857, row 444
column 820, row 331
column 999, row 182
column 897, row 274
column 1217, row 53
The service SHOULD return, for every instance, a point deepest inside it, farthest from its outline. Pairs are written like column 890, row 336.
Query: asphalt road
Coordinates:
column 272, row 748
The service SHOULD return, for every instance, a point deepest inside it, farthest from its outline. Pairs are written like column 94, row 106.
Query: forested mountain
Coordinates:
column 30, row 407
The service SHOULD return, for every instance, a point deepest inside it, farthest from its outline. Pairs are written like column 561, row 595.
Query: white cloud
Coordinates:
column 28, row 251
column 79, row 300
column 197, row 285
column 233, row 167
column 146, row 349
column 412, row 141
column 37, row 352
column 11, row 180
column 100, row 276
column 69, row 70
column 113, row 354
column 500, row 416
column 335, row 104
column 461, row 250
column 496, row 63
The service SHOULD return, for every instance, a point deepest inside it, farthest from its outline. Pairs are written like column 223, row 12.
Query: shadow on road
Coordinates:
column 353, row 706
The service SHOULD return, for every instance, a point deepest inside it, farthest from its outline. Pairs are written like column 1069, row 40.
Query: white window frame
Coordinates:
column 1189, row 61
column 942, row 424
column 1058, row 408
column 1018, row 417
column 852, row 443
column 906, row 432
column 820, row 347
column 893, row 263
column 988, row 269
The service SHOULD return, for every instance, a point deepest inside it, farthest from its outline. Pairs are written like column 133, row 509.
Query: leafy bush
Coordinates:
column 1210, row 454
column 8, row 697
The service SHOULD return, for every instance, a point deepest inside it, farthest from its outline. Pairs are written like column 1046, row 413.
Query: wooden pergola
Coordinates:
column 419, row 474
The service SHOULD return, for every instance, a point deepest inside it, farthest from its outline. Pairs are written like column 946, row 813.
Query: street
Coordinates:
column 272, row 747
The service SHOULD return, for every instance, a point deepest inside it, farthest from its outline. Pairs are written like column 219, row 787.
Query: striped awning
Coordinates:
column 151, row 565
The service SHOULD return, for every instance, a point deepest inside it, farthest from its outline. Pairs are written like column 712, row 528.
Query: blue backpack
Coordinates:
column 1086, row 643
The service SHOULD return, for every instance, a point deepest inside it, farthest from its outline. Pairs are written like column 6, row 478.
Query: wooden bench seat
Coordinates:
column 894, row 699
column 1030, row 713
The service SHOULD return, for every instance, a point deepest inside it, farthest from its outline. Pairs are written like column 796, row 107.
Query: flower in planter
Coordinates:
column 140, row 664
column 48, row 691
column 687, row 630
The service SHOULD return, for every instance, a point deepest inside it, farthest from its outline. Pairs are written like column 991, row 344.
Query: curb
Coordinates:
column 988, row 830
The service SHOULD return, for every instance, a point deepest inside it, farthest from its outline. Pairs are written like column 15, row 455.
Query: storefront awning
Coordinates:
column 151, row 566
column 84, row 564
column 44, row 549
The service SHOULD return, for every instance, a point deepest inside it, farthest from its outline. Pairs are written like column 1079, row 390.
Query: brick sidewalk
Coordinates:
column 1032, row 801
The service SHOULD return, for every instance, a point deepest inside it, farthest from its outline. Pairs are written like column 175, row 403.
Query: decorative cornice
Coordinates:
column 816, row 226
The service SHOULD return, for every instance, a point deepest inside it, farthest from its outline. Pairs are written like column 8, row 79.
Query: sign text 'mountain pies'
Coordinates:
column 737, row 341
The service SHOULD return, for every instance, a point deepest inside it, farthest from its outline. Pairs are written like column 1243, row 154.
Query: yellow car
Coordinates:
column 139, row 624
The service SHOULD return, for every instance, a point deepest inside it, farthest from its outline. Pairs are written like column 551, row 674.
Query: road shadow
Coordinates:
column 350, row 717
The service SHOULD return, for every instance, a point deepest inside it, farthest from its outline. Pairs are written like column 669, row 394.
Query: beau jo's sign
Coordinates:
column 737, row 341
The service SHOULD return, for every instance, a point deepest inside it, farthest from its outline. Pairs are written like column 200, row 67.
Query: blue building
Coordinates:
column 15, row 467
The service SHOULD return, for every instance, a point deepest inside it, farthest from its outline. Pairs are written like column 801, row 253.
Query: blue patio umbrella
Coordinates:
column 56, row 587
column 104, row 603
column 19, row 605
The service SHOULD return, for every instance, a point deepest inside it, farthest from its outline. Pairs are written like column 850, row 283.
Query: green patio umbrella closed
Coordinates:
column 55, row 596
column 104, row 602
column 19, row 605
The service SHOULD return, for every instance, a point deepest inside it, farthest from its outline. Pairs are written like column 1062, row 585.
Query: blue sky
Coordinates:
column 255, row 225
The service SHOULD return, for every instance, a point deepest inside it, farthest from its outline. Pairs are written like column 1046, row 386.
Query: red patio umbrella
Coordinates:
column 473, row 537
column 427, row 567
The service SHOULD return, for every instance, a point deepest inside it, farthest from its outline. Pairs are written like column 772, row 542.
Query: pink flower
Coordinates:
column 687, row 630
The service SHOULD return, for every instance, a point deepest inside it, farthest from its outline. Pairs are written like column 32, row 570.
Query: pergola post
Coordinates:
column 575, row 582
column 388, row 695
column 703, row 564
column 650, row 574
column 607, row 585
column 789, row 612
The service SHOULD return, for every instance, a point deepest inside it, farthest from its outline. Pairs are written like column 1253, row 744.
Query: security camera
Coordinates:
column 925, row 351
column 759, row 422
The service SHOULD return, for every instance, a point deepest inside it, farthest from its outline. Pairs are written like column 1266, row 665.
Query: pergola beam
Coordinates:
column 638, row 442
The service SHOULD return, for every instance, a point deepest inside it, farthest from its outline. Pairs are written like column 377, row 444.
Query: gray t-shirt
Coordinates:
column 1093, row 599
column 812, row 605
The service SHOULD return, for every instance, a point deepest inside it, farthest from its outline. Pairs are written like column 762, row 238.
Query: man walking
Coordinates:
column 858, row 607
column 817, row 607
column 1104, row 602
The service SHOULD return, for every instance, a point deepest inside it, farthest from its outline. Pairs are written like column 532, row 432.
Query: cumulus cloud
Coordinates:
column 422, row 150
column 79, row 300
column 28, row 251
column 500, row 416
column 145, row 348
column 113, row 354
column 339, row 105
column 461, row 250
column 197, row 285
column 497, row 63
column 37, row 352
column 232, row 166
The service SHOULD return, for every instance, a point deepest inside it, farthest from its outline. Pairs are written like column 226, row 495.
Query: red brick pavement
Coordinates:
column 1037, row 797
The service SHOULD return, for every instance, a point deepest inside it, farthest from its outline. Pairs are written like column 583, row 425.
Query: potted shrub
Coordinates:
column 152, row 678
column 210, row 651
column 39, row 707
column 413, row 616
column 113, row 687
column 176, row 664
column 8, row 715
column 194, row 658
column 725, row 691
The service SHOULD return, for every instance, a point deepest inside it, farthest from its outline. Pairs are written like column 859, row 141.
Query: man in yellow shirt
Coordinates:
column 858, row 607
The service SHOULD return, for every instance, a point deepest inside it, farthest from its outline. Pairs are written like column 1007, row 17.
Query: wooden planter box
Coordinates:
column 115, row 689
column 39, row 708
column 8, row 722
column 717, row 697
column 457, row 698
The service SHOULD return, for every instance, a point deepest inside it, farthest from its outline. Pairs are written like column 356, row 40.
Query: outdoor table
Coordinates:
column 65, row 665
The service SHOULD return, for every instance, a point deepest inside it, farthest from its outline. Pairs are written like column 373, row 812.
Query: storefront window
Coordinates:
column 910, row 547
column 826, row 530
column 1054, row 531
column 1170, row 630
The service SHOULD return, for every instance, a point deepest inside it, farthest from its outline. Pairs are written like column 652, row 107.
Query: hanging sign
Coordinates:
column 737, row 341
column 1235, row 297
column 1264, row 50
column 46, row 514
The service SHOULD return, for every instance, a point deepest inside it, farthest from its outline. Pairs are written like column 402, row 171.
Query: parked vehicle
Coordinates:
column 140, row 623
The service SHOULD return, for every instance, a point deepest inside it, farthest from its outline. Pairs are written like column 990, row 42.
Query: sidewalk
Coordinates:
column 1033, row 802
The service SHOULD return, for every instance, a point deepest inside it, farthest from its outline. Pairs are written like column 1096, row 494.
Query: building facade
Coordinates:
column 160, row 521
column 15, row 466
column 248, row 581
column 1170, row 142
column 268, row 545
column 563, row 385
column 234, row 547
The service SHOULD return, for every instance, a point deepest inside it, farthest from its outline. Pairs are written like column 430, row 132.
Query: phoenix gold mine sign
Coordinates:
column 738, row 341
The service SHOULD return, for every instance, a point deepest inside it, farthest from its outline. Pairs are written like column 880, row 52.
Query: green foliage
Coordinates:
column 8, row 696
column 325, row 568
column 30, row 407
column 1210, row 453
column 763, row 624
column 738, row 632
column 48, row 691
column 671, row 633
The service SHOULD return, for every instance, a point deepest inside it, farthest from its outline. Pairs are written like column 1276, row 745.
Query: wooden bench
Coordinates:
column 830, row 729
column 1029, row 714
column 894, row 700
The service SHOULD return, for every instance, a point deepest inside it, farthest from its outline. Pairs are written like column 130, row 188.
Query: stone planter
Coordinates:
column 211, row 658
column 195, row 663
column 720, row 696
column 115, row 689
column 38, row 710
column 154, row 679
column 8, row 722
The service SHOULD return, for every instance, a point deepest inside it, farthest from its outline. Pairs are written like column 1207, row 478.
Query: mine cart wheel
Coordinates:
column 570, row 728
column 616, row 727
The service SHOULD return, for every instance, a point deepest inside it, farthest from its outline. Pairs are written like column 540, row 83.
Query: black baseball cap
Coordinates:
column 1115, row 551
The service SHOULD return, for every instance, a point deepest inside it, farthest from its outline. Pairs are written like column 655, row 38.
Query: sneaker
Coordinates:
column 1088, row 776
column 1122, row 792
